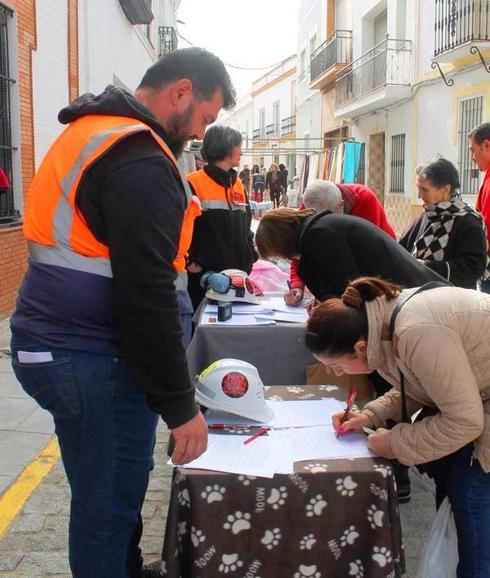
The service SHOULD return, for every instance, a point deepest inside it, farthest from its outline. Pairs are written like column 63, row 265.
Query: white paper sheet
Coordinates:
column 236, row 320
column 300, row 317
column 278, row 304
column 321, row 443
column 239, row 309
column 261, row 457
column 304, row 413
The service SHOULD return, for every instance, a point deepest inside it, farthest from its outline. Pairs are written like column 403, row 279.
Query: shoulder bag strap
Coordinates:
column 427, row 286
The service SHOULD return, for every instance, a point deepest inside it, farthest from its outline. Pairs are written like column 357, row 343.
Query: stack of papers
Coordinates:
column 263, row 313
column 299, row 431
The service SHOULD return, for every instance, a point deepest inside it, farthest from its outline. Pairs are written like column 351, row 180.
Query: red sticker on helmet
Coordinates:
column 249, row 285
column 237, row 280
column 234, row 384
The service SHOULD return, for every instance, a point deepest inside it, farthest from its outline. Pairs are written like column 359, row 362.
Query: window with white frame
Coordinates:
column 276, row 118
column 470, row 114
column 312, row 44
column 7, row 210
column 397, row 174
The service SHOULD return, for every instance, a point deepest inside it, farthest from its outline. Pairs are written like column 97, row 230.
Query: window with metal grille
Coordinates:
column 397, row 177
column 470, row 115
column 7, row 211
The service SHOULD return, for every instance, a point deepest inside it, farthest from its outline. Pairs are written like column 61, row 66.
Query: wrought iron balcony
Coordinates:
column 386, row 64
column 168, row 40
column 460, row 22
column 288, row 125
column 336, row 50
column 269, row 130
column 258, row 136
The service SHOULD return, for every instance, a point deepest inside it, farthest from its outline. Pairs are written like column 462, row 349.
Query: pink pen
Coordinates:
column 345, row 417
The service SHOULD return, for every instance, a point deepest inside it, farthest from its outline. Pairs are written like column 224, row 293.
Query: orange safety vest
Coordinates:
column 212, row 195
column 56, row 232
column 191, row 213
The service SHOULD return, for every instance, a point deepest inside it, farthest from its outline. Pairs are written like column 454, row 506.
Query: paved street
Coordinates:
column 36, row 542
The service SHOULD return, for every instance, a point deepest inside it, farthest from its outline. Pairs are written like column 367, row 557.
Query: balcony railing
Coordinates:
column 386, row 64
column 269, row 130
column 258, row 136
column 168, row 40
column 337, row 49
column 288, row 125
column 458, row 22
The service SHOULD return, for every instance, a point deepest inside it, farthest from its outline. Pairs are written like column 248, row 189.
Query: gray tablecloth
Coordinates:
column 277, row 351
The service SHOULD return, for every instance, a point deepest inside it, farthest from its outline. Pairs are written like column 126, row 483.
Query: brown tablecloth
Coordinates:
column 330, row 519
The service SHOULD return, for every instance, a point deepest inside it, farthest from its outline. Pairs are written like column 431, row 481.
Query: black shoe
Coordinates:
column 153, row 570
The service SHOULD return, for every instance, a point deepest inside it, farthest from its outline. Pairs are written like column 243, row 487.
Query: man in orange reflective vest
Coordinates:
column 96, row 335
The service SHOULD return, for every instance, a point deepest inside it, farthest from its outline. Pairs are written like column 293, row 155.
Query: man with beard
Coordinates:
column 96, row 335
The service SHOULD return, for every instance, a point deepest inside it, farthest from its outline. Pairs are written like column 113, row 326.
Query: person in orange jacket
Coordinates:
column 96, row 334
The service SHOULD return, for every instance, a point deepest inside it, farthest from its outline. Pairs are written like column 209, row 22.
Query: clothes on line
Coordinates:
column 339, row 164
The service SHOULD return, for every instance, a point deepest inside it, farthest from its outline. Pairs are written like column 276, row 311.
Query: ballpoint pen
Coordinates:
column 257, row 434
column 350, row 403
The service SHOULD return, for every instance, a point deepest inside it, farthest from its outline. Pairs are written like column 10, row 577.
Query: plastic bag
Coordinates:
column 440, row 554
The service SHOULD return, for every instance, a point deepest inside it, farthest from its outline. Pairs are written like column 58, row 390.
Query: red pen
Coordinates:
column 257, row 434
column 227, row 426
column 350, row 403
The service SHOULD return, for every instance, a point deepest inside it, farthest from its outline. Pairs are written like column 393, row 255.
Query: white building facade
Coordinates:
column 241, row 119
column 394, row 98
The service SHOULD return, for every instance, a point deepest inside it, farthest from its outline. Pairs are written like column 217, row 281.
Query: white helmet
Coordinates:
column 241, row 288
column 233, row 386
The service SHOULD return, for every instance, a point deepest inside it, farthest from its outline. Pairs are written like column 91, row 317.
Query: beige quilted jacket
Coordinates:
column 441, row 343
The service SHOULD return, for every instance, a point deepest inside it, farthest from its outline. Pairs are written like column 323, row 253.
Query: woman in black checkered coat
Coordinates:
column 449, row 236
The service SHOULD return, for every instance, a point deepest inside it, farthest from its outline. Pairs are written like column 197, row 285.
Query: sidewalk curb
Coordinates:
column 15, row 497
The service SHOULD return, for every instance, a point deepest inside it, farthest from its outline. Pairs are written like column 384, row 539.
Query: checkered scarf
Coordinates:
column 433, row 242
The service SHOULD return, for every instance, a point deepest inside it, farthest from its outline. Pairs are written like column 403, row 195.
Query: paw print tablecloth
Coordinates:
column 330, row 519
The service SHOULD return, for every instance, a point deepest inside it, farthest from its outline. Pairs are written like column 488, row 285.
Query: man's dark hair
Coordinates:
column 480, row 133
column 205, row 70
column 219, row 141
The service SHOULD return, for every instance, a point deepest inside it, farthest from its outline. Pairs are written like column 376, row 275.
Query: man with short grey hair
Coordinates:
column 351, row 199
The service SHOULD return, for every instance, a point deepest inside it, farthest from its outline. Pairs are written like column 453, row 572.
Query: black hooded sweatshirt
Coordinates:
column 132, row 200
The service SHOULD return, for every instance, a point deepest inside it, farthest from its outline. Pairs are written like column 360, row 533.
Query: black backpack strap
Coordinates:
column 394, row 315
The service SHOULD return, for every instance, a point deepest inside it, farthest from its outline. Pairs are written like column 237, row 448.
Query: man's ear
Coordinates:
column 181, row 94
column 360, row 348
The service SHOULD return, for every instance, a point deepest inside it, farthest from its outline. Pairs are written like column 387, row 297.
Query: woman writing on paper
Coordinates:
column 433, row 346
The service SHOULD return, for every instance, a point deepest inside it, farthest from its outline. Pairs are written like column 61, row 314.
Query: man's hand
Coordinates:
column 379, row 443
column 293, row 297
column 194, row 268
column 355, row 422
column 191, row 440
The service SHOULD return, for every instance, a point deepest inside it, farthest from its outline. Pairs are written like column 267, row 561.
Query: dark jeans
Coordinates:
column 275, row 198
column 468, row 489
column 106, row 434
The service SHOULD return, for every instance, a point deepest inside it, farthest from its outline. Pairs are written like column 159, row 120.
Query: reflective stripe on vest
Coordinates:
column 214, row 196
column 206, row 205
column 60, row 239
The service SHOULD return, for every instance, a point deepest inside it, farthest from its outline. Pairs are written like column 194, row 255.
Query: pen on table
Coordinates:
column 350, row 403
column 226, row 426
column 257, row 434
column 290, row 287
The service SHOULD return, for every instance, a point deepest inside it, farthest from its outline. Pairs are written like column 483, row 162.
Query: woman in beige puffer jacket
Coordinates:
column 441, row 346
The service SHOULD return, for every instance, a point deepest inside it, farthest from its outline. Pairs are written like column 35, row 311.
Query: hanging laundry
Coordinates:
column 352, row 157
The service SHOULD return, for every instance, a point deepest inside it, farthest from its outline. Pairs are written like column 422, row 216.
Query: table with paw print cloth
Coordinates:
column 330, row 519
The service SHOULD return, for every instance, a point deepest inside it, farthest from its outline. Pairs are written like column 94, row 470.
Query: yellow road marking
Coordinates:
column 13, row 500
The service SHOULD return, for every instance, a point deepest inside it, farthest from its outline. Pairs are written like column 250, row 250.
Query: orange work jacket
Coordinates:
column 56, row 232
